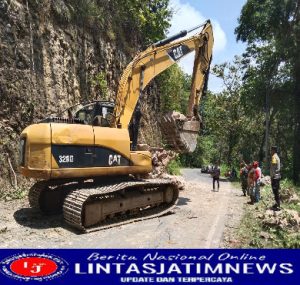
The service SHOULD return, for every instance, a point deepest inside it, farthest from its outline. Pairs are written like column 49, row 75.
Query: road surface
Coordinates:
column 200, row 219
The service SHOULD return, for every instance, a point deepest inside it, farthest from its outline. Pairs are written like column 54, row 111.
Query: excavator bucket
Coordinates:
column 180, row 134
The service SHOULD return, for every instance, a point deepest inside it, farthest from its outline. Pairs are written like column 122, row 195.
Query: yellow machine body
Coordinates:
column 58, row 150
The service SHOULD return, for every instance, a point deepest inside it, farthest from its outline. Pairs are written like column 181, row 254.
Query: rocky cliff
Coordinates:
column 49, row 61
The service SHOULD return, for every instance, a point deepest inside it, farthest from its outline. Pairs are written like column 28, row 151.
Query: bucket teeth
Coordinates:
column 180, row 134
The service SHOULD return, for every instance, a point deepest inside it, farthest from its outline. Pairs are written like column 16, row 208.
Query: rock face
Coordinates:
column 47, row 64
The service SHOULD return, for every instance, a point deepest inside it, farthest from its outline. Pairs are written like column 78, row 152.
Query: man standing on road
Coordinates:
column 244, row 177
column 216, row 176
column 275, row 177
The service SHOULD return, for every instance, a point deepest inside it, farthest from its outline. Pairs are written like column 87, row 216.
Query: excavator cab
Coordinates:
column 98, row 113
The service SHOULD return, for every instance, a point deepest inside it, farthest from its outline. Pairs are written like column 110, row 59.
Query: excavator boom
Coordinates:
column 154, row 60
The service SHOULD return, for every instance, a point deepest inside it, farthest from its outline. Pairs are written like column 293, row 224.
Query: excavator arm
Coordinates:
column 157, row 58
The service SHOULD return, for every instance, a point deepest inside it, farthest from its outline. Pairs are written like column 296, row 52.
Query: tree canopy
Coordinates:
column 272, row 30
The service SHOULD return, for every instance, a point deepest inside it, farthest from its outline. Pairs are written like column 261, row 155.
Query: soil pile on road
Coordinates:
column 285, row 219
column 160, row 160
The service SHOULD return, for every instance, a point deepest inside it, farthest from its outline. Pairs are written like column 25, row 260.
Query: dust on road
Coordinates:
column 200, row 219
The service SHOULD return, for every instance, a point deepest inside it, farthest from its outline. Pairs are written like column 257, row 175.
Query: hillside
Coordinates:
column 54, row 54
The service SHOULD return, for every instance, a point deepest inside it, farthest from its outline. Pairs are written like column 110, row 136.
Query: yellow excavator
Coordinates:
column 87, row 161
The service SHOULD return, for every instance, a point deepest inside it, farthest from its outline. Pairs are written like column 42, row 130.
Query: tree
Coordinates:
column 277, row 22
column 267, row 88
column 175, row 88
column 146, row 20
column 227, row 119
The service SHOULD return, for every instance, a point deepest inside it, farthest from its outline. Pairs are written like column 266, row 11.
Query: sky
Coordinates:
column 224, row 16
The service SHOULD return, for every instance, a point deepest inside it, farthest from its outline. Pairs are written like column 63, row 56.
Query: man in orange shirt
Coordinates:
column 251, row 184
column 257, row 181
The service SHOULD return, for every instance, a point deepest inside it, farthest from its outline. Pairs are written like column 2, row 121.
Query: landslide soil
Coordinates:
column 202, row 219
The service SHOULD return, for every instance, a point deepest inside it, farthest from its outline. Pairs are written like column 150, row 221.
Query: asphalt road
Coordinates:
column 200, row 219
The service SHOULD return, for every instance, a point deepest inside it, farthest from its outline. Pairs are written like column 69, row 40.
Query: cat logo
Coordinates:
column 178, row 52
column 114, row 159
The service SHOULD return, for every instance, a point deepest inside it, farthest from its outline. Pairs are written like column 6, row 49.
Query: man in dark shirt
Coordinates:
column 216, row 176
column 244, row 178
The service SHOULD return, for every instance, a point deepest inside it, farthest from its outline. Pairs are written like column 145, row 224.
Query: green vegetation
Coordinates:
column 261, row 92
column 7, row 192
column 99, row 82
column 174, row 89
column 262, row 228
column 127, row 21
column 173, row 167
column 234, row 122
column 271, row 28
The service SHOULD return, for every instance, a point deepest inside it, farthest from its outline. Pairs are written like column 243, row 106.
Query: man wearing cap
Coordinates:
column 275, row 177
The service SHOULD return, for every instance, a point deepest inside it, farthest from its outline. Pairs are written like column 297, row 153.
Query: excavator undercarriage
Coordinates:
column 93, row 205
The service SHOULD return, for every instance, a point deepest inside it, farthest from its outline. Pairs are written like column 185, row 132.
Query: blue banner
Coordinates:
column 150, row 266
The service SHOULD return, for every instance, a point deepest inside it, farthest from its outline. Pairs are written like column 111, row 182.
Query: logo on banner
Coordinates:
column 33, row 266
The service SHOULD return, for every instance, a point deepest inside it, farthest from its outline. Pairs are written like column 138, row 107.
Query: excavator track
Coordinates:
column 34, row 194
column 72, row 197
column 48, row 196
column 76, row 201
